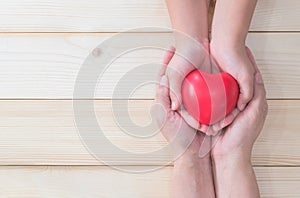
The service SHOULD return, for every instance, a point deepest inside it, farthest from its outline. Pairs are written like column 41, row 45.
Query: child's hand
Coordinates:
column 186, row 59
column 174, row 60
column 235, row 61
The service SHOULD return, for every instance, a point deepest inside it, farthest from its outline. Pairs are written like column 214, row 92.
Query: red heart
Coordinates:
column 209, row 97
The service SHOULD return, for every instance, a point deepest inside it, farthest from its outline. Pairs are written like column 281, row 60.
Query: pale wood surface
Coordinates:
column 120, row 15
column 46, row 65
column 90, row 182
column 43, row 132
column 43, row 44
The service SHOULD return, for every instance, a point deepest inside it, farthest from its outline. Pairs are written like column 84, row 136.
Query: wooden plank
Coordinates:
column 46, row 65
column 119, row 15
column 87, row 181
column 44, row 133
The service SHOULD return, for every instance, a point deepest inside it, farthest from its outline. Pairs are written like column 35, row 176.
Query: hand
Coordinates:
column 231, row 153
column 189, row 55
column 192, row 175
column 171, row 58
column 235, row 61
column 240, row 136
column 173, row 126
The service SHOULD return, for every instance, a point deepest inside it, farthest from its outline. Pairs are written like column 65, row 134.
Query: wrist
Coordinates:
column 231, row 158
column 223, row 53
column 189, row 43
column 193, row 176
column 193, row 160
column 191, row 52
column 227, row 46
column 234, row 176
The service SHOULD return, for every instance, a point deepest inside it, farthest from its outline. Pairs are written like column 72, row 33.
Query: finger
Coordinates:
column 246, row 91
column 205, row 147
column 168, row 55
column 259, row 88
column 258, row 108
column 176, row 79
column 203, row 128
column 190, row 120
column 258, row 76
column 166, row 59
column 217, row 137
column 208, row 130
column 247, row 95
column 258, row 105
column 226, row 121
column 252, row 59
column 162, row 93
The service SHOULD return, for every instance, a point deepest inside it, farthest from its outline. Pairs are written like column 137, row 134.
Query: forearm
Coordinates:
column 189, row 17
column 231, row 21
column 193, row 177
column 234, row 177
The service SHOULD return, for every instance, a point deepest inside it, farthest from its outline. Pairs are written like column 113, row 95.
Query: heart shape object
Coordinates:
column 209, row 97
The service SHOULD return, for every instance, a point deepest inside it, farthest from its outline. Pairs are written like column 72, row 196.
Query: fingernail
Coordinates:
column 173, row 106
column 258, row 78
column 242, row 107
column 163, row 81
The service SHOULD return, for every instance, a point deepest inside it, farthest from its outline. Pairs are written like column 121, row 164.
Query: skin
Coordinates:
column 190, row 23
column 231, row 150
column 193, row 176
column 229, row 154
column 230, row 27
column 208, row 130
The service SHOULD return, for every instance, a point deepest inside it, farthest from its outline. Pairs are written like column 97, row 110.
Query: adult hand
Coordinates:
column 192, row 174
column 173, row 60
column 173, row 126
column 231, row 153
column 240, row 136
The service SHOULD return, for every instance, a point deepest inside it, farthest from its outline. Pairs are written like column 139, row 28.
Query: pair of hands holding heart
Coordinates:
column 245, row 125
column 217, row 93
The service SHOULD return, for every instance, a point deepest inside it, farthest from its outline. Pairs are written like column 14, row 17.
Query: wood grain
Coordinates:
column 43, row 45
column 119, row 15
column 78, row 181
column 44, row 133
column 46, row 65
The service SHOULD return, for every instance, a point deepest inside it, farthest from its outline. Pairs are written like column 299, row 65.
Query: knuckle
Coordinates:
column 247, row 95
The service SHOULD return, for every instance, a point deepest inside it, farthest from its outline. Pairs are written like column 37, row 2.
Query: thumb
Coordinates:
column 175, row 92
column 176, row 77
column 177, row 69
column 246, row 90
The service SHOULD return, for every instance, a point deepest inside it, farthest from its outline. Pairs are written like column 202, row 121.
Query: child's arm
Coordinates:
column 188, row 17
column 231, row 22
column 230, row 26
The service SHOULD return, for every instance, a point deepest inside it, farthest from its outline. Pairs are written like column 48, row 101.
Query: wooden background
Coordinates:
column 42, row 46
